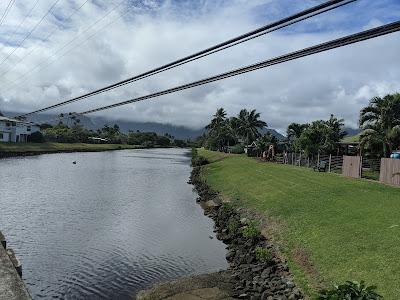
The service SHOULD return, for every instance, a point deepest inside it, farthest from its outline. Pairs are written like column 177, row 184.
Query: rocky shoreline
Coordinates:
column 256, row 270
column 255, row 273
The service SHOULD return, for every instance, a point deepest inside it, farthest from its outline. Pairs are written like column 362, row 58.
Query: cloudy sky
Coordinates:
column 53, row 50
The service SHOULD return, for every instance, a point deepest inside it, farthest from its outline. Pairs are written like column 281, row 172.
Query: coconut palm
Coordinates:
column 294, row 130
column 217, row 121
column 380, row 122
column 218, row 128
column 247, row 125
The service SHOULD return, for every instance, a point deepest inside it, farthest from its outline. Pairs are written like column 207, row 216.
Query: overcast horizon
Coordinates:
column 130, row 37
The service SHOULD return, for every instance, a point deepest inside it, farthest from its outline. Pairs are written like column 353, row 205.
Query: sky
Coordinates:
column 53, row 50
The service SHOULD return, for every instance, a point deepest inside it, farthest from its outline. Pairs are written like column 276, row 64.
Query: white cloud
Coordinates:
column 148, row 35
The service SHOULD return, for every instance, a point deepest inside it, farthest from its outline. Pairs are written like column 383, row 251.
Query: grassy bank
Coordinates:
column 330, row 228
column 59, row 147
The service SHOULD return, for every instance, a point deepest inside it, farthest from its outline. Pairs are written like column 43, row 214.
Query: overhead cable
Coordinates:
column 347, row 40
column 308, row 13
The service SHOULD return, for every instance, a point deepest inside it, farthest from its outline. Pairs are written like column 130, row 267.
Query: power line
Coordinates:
column 46, row 38
column 46, row 62
column 30, row 32
column 308, row 13
column 347, row 40
column 22, row 22
column 6, row 11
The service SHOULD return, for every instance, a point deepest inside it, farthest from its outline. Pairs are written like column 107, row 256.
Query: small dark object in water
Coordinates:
column 210, row 237
column 74, row 162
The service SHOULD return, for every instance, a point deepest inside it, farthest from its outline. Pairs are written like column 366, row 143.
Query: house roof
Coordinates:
column 9, row 119
column 6, row 119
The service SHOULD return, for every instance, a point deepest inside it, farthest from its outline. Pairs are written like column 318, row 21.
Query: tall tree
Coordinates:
column 380, row 122
column 247, row 124
column 295, row 130
column 217, row 129
column 334, row 133
column 321, row 136
column 217, row 121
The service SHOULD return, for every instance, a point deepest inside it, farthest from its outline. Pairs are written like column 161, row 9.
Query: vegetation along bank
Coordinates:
column 331, row 229
column 28, row 149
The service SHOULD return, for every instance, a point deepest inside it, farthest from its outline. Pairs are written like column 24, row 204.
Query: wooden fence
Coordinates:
column 390, row 171
column 387, row 170
column 351, row 166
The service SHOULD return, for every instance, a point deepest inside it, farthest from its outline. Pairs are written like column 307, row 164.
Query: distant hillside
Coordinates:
column 274, row 133
column 353, row 135
column 95, row 123
column 352, row 131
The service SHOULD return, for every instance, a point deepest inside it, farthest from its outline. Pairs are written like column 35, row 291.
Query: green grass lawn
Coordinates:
column 330, row 228
column 33, row 147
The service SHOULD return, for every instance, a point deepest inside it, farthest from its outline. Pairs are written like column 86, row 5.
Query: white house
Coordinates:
column 17, row 131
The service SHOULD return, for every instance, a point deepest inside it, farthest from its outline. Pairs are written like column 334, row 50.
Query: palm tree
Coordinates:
column 218, row 127
column 264, row 141
column 380, row 122
column 334, row 133
column 217, row 121
column 294, row 130
column 247, row 125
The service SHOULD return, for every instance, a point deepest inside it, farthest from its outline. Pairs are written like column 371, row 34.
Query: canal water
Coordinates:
column 106, row 227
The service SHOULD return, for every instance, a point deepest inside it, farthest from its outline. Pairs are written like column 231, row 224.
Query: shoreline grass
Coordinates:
column 330, row 228
column 59, row 147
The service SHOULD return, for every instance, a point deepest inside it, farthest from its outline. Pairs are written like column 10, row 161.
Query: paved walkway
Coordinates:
column 11, row 285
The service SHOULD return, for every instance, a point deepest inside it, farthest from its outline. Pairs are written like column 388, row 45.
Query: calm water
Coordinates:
column 112, row 224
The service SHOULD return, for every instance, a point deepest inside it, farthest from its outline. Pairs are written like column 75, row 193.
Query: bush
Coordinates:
column 237, row 149
column 251, row 231
column 233, row 225
column 36, row 137
column 147, row 144
column 351, row 290
column 199, row 161
column 263, row 254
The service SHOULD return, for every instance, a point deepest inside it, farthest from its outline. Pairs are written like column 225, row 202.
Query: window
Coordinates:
column 8, row 124
column 28, row 128
column 1, row 136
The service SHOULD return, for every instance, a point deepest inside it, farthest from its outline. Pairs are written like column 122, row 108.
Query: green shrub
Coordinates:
column 262, row 254
column 237, row 149
column 233, row 225
column 251, row 231
column 199, row 161
column 194, row 152
column 36, row 137
column 351, row 290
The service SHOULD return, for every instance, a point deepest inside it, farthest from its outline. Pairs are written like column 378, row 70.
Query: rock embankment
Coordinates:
column 257, row 271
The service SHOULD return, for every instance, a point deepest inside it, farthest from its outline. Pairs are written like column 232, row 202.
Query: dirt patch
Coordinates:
column 301, row 258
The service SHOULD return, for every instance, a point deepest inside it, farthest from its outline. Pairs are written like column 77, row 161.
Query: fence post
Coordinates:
column 308, row 162
column 361, row 162
column 330, row 161
column 292, row 159
column 300, row 159
column 318, row 159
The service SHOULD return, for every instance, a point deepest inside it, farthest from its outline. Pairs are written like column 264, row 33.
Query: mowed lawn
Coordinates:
column 349, row 229
column 54, row 147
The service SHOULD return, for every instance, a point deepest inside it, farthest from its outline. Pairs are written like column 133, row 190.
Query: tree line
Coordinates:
column 75, row 133
column 379, row 123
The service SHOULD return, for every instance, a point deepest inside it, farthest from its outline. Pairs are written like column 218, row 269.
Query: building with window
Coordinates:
column 17, row 131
